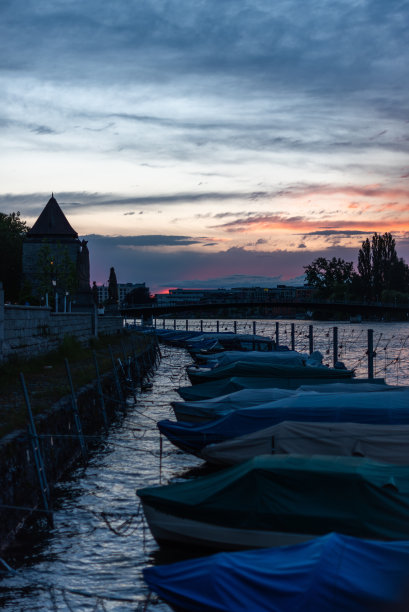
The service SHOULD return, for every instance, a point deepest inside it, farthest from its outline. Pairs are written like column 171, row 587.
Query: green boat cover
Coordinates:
column 295, row 494
column 254, row 369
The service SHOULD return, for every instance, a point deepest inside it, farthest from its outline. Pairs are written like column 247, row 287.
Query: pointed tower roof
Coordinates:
column 52, row 222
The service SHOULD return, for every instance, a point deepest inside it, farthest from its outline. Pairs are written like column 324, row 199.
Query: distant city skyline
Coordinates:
column 210, row 144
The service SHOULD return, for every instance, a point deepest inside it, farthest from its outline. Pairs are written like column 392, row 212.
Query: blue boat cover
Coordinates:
column 376, row 408
column 332, row 573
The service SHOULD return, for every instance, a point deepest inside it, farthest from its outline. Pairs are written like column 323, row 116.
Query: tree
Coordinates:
column 139, row 295
column 113, row 297
column 329, row 275
column 12, row 233
column 379, row 267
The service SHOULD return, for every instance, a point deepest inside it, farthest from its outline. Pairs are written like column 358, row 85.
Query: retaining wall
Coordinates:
column 26, row 331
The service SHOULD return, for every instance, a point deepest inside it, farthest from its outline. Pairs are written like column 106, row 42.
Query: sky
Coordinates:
column 208, row 143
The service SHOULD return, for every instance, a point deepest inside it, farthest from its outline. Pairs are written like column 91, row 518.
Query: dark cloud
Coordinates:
column 155, row 240
column 302, row 245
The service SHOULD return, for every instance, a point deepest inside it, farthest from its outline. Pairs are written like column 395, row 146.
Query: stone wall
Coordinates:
column 26, row 331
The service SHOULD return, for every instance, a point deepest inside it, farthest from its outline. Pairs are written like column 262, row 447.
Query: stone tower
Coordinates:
column 52, row 238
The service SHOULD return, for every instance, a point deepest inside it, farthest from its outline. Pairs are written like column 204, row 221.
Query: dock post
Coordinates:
column 335, row 346
column 277, row 334
column 370, row 353
column 254, row 328
column 187, row 324
column 311, row 338
column 235, row 327
column 293, row 336
column 201, row 325
column 164, row 323
column 174, row 323
column 217, row 326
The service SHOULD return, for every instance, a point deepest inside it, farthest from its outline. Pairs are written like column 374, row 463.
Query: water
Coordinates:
column 93, row 556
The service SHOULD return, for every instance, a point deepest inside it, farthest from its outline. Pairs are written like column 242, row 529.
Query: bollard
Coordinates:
column 370, row 353
column 311, row 338
column 335, row 345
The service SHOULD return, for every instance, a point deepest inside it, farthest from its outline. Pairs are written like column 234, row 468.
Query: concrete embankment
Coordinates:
column 59, row 442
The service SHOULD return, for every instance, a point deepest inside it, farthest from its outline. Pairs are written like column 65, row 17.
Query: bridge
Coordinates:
column 266, row 307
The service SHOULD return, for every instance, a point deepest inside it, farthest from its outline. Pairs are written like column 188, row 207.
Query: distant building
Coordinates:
column 249, row 294
column 55, row 260
column 123, row 290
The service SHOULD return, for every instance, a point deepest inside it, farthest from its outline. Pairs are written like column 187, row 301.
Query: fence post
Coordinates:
column 335, row 345
column 100, row 392
column 235, row 327
column 277, row 334
column 201, row 325
column 254, row 327
column 217, row 326
column 370, row 353
column 35, row 446
column 311, row 338
column 187, row 324
column 293, row 336
column 164, row 323
column 174, row 323
column 75, row 411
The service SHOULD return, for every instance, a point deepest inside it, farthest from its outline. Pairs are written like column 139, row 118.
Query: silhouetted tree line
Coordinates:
column 381, row 275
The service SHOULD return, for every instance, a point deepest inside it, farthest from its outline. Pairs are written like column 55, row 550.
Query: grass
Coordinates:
column 46, row 376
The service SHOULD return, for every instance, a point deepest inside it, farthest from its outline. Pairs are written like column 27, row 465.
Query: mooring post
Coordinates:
column 335, row 346
column 370, row 353
column 164, row 323
column 311, row 338
column 293, row 336
column 100, row 392
column 235, row 327
column 35, row 446
column 174, row 323
column 201, row 326
column 217, row 326
column 187, row 325
column 254, row 328
column 277, row 334
column 75, row 411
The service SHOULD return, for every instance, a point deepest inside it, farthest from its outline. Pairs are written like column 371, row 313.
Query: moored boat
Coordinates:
column 386, row 443
column 280, row 500
column 332, row 573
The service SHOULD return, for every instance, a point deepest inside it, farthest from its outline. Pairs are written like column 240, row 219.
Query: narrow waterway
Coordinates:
column 93, row 556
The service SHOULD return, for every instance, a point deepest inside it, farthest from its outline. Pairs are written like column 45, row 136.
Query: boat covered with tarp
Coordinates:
column 213, row 408
column 280, row 500
column 387, row 443
column 224, row 386
column 256, row 368
column 391, row 408
column 332, row 573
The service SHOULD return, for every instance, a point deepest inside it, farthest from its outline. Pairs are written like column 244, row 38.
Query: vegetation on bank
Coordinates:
column 381, row 276
column 46, row 376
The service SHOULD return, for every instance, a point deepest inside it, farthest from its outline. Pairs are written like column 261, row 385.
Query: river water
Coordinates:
column 92, row 558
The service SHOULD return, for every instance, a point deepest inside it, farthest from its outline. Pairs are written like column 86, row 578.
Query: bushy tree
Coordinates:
column 12, row 233
column 379, row 267
column 328, row 276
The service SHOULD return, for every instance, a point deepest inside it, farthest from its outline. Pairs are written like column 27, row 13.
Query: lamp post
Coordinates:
column 54, row 283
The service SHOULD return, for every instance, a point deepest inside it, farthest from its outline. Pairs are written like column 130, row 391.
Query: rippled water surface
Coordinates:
column 99, row 544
